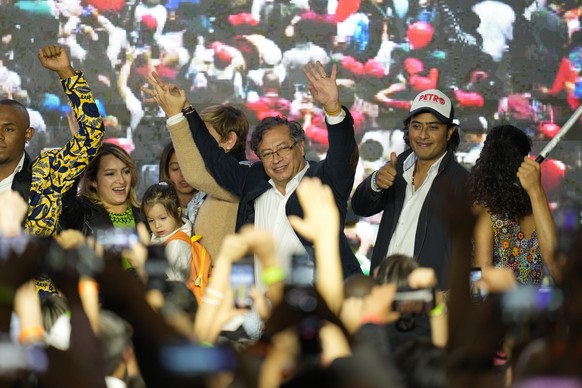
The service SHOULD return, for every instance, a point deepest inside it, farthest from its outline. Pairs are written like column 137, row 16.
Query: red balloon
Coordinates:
column 374, row 68
column 420, row 34
column 107, row 5
column 553, row 172
column 345, row 8
column 317, row 134
column 549, row 129
column 149, row 21
column 242, row 18
column 472, row 99
column 413, row 65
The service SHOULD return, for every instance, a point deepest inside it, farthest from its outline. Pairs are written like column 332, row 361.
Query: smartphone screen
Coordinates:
column 302, row 271
column 477, row 294
column 117, row 239
column 242, row 279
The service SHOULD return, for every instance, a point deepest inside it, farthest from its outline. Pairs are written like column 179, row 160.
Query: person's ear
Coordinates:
column 301, row 145
column 230, row 142
column 28, row 134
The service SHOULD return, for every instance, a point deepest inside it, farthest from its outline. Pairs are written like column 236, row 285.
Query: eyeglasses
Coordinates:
column 281, row 152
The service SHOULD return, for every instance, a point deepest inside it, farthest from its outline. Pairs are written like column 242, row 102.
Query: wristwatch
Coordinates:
column 187, row 110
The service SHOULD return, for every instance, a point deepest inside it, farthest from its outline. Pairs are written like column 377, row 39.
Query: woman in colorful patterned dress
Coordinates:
column 515, row 228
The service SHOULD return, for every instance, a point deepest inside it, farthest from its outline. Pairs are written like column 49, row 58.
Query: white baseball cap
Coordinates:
column 433, row 101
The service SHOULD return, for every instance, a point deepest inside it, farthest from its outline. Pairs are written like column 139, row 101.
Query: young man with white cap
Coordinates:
column 413, row 188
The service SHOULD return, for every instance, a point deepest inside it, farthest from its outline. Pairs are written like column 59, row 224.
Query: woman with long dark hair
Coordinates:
column 515, row 228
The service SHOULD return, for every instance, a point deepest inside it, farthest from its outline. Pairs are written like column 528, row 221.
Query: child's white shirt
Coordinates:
column 178, row 253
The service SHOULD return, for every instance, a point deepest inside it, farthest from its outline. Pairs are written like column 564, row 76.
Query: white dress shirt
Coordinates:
column 6, row 183
column 270, row 216
column 404, row 236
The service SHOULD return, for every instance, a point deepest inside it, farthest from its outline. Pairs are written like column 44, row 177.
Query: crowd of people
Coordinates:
column 243, row 261
column 250, row 54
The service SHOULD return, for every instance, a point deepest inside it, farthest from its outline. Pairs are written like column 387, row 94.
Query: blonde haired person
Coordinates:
column 215, row 217
column 107, row 196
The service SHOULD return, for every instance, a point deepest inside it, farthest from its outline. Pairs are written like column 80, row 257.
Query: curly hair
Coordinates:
column 493, row 182
column 268, row 123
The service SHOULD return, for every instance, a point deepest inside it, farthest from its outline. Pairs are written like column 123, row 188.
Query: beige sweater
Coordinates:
column 216, row 217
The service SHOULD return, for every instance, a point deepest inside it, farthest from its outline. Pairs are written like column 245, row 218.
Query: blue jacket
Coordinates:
column 336, row 170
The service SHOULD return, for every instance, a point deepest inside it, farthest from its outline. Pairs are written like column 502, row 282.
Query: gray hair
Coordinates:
column 268, row 123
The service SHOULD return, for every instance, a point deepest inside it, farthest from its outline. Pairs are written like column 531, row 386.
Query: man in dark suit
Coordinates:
column 267, row 188
column 413, row 188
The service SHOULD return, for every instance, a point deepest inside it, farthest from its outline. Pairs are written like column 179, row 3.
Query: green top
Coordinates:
column 123, row 220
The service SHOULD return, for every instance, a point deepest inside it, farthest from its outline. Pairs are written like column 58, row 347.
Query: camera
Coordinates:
column 411, row 301
column 82, row 260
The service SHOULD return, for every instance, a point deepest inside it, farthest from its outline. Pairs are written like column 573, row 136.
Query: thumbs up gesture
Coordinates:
column 386, row 175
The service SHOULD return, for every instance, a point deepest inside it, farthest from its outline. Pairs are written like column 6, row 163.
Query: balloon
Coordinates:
column 374, row 68
column 549, row 129
column 149, row 21
column 107, row 5
column 552, row 172
column 469, row 99
column 317, row 134
column 401, row 8
column 420, row 34
column 345, row 8
column 413, row 65
column 242, row 18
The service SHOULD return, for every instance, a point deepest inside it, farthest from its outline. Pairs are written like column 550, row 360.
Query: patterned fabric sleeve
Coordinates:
column 55, row 171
